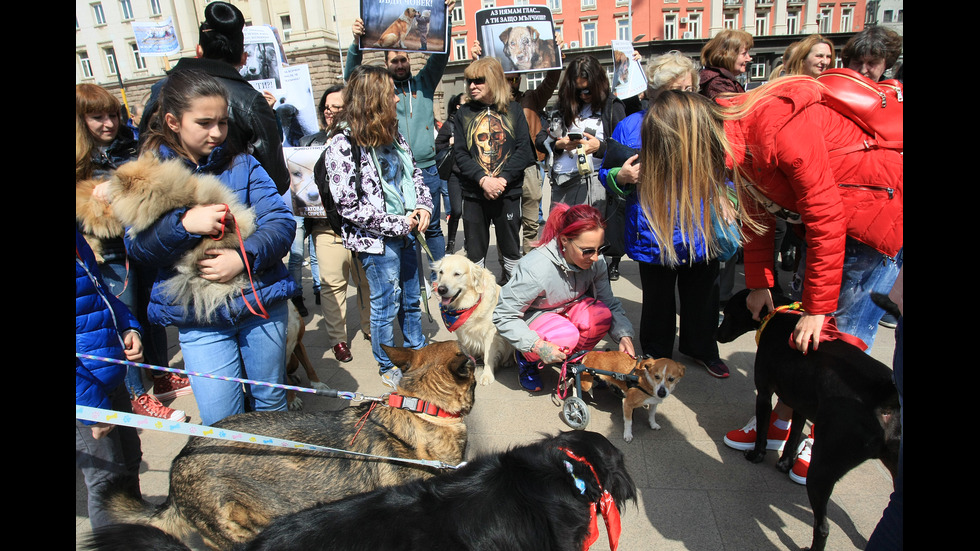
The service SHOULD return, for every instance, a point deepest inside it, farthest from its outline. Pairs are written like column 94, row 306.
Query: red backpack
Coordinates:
column 874, row 106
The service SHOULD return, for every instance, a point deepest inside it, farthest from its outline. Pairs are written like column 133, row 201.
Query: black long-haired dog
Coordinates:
column 539, row 496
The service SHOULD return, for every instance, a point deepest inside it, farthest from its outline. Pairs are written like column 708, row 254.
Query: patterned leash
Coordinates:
column 113, row 417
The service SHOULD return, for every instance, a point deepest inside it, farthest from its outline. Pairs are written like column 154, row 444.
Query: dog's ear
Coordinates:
column 533, row 32
column 401, row 357
column 505, row 36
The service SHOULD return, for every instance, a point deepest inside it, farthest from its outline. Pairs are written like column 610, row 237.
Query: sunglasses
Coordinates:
column 477, row 81
column 584, row 91
column 589, row 251
column 513, row 79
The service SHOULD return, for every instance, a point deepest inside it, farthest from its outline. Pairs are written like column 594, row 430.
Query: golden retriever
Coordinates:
column 471, row 292
column 395, row 34
column 526, row 50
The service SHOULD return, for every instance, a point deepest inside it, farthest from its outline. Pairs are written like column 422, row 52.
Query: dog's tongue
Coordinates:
column 446, row 300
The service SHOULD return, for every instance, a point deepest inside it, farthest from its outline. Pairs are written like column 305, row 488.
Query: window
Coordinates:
column 555, row 6
column 534, row 79
column 139, row 61
column 670, row 26
column 694, row 24
column 99, row 13
column 846, row 17
column 730, row 20
column 85, row 64
column 793, row 22
column 758, row 71
column 126, row 7
column 762, row 23
column 458, row 17
column 155, row 8
column 489, row 4
column 522, row 2
column 459, row 48
column 623, row 30
column 825, row 19
column 590, row 34
column 110, row 59
column 286, row 25
column 588, row 4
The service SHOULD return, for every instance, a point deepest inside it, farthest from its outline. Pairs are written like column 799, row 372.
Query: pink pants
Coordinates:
column 581, row 327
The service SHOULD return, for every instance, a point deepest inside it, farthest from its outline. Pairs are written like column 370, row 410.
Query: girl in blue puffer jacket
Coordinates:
column 240, row 340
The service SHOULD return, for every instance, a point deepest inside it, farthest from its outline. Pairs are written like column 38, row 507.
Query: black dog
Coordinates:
column 847, row 393
column 538, row 496
column 524, row 498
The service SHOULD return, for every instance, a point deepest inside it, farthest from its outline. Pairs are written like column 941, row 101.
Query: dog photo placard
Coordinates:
column 405, row 25
column 306, row 195
column 263, row 58
column 521, row 37
column 629, row 78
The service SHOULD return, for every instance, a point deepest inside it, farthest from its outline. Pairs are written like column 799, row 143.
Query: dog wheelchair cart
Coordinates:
column 575, row 411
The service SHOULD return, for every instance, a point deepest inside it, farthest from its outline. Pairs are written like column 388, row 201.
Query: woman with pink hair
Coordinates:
column 558, row 300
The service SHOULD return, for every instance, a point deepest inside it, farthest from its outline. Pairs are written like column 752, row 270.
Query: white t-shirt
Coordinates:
column 585, row 122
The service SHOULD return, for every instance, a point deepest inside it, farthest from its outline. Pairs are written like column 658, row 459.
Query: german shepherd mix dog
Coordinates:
column 229, row 491
column 540, row 496
column 849, row 394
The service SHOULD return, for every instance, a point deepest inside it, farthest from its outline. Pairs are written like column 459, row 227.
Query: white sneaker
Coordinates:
column 392, row 377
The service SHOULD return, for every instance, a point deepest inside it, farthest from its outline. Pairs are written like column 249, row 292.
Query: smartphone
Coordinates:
column 574, row 136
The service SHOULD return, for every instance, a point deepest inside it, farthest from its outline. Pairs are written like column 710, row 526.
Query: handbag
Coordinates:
column 877, row 107
column 446, row 163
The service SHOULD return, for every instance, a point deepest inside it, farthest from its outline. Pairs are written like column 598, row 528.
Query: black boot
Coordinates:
column 614, row 268
column 298, row 302
column 450, row 246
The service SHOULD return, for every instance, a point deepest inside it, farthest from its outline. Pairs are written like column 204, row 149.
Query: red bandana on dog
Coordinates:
column 456, row 318
column 607, row 507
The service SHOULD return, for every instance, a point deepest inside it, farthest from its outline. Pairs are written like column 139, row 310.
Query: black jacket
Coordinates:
column 252, row 123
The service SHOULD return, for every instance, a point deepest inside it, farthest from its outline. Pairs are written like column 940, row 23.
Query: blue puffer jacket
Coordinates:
column 100, row 320
column 161, row 245
column 640, row 243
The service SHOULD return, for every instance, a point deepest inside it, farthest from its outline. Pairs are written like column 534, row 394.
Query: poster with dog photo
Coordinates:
column 264, row 58
column 628, row 76
column 306, row 196
column 521, row 37
column 295, row 106
column 405, row 25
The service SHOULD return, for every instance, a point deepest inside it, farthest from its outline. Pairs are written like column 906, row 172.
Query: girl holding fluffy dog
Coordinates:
column 246, row 337
column 559, row 300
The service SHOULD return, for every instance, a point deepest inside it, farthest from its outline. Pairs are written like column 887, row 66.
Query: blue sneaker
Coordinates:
column 392, row 377
column 528, row 373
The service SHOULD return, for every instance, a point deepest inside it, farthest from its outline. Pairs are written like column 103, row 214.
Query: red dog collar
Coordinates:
column 606, row 506
column 420, row 406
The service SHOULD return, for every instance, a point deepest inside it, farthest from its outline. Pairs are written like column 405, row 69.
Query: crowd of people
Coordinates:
column 686, row 179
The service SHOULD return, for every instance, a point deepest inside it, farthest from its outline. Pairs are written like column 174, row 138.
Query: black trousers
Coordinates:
column 697, row 289
column 505, row 215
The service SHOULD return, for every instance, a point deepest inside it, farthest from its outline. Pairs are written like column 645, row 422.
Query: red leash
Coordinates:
column 248, row 269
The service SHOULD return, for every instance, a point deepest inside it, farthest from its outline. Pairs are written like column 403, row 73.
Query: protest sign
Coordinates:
column 521, row 37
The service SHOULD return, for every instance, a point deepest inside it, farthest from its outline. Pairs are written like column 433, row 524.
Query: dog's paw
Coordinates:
column 755, row 456
column 628, row 436
column 486, row 377
column 654, row 425
column 784, row 465
column 296, row 404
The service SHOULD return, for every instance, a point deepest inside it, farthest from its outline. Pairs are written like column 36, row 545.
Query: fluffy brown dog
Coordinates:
column 142, row 191
column 622, row 67
column 230, row 490
column 395, row 34
column 657, row 379
column 524, row 48
column 295, row 329
column 95, row 217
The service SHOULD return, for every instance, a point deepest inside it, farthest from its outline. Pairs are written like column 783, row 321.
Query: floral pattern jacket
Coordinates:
column 366, row 222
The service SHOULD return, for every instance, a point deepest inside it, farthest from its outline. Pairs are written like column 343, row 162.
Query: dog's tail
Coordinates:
column 125, row 508
column 123, row 537
column 886, row 304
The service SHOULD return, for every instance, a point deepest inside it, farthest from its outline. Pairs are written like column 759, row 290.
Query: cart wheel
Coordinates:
column 576, row 413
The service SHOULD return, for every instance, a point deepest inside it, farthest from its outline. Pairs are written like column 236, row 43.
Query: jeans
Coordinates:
column 866, row 271
column 111, row 460
column 122, row 281
column 314, row 265
column 297, row 253
column 393, row 280
column 255, row 349
column 433, row 234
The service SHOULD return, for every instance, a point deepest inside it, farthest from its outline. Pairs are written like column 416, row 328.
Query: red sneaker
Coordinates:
column 744, row 438
column 151, row 407
column 802, row 463
column 170, row 386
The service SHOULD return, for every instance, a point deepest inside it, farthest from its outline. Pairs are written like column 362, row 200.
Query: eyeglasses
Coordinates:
column 333, row 108
column 478, row 81
column 584, row 91
column 589, row 251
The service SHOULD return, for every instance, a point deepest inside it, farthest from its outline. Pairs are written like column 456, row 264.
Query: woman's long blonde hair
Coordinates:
column 793, row 64
column 490, row 69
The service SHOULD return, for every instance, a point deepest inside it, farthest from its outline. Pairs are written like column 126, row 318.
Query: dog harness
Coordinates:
column 829, row 331
column 454, row 319
column 606, row 505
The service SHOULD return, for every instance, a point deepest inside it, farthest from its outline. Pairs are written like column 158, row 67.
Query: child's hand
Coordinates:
column 205, row 219
column 222, row 266
column 134, row 346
